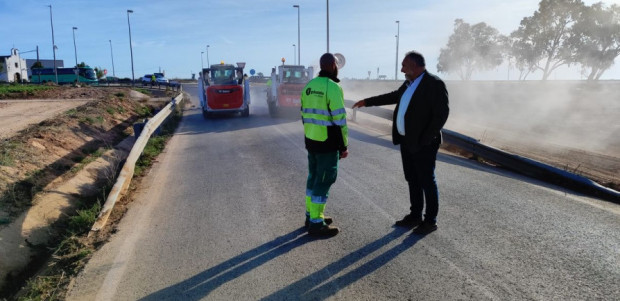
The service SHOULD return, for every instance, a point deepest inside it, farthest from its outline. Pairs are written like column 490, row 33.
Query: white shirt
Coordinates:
column 404, row 104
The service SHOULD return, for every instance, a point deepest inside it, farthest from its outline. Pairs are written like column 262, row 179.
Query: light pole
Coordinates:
column 53, row 44
column 397, row 38
column 202, row 65
column 129, row 11
column 327, row 25
column 298, row 36
column 294, row 54
column 75, row 47
column 112, row 55
column 208, row 64
column 77, row 78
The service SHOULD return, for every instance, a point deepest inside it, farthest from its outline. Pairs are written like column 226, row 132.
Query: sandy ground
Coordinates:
column 16, row 115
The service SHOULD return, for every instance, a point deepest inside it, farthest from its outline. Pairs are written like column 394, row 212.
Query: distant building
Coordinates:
column 13, row 68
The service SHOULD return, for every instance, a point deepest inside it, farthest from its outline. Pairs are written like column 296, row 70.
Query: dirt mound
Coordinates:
column 37, row 156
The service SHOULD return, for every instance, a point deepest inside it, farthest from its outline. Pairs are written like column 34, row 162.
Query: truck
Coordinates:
column 284, row 88
column 223, row 89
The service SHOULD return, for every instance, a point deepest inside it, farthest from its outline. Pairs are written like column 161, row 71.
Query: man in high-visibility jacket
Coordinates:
column 326, row 136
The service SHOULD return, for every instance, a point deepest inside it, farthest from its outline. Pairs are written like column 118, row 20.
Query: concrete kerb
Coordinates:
column 126, row 174
column 526, row 166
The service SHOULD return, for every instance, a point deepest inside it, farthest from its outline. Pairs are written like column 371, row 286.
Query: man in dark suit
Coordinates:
column 420, row 113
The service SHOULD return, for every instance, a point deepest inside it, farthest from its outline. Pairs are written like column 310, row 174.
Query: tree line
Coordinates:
column 560, row 32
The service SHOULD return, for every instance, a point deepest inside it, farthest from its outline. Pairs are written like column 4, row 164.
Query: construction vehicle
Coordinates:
column 284, row 88
column 223, row 90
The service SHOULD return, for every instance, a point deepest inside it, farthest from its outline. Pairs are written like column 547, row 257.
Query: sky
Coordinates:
column 170, row 35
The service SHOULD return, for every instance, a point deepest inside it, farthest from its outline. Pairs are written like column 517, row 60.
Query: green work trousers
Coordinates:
column 322, row 173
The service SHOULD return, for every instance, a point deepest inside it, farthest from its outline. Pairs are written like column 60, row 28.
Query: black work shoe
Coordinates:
column 323, row 231
column 425, row 228
column 408, row 221
column 328, row 220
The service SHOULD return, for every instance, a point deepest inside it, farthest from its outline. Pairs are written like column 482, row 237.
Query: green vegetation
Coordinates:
column 143, row 91
column 7, row 148
column 144, row 111
column 91, row 156
column 20, row 90
column 71, row 112
column 110, row 110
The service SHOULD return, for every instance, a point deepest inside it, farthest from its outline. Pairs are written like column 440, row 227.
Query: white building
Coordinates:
column 13, row 68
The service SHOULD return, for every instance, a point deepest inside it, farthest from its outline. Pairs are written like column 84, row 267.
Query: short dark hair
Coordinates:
column 416, row 57
column 327, row 61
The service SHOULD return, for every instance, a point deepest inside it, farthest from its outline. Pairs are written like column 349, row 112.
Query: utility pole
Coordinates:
column 298, row 37
column 133, row 79
column 76, row 70
column 112, row 55
column 53, row 44
column 397, row 38
column 327, row 25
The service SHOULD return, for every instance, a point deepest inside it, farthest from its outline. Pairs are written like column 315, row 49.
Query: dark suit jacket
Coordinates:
column 426, row 114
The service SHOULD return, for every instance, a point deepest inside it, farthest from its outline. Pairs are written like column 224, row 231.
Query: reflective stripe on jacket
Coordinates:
column 323, row 114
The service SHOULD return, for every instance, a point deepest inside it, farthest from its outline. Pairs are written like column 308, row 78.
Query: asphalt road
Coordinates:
column 220, row 218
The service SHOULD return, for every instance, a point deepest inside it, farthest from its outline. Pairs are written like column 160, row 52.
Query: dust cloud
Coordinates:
column 561, row 115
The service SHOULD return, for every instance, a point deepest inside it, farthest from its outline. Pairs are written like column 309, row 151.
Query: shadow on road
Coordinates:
column 313, row 286
column 200, row 285
column 316, row 287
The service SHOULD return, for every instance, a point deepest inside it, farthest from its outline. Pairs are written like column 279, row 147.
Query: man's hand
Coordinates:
column 344, row 154
column 359, row 104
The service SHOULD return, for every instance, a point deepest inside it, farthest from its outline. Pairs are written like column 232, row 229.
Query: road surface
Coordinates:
column 220, row 217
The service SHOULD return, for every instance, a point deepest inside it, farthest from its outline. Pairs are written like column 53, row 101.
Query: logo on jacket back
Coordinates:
column 309, row 91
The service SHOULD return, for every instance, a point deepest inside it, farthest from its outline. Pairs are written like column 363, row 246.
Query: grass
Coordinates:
column 143, row 91
column 91, row 156
column 7, row 150
column 13, row 89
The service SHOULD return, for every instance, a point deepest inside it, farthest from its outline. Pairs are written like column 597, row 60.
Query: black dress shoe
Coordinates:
column 408, row 221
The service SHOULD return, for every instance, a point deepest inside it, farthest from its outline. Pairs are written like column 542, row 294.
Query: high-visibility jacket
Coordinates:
column 324, row 116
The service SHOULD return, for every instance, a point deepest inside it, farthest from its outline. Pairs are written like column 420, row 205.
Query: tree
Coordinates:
column 596, row 39
column 82, row 65
column 99, row 72
column 37, row 65
column 470, row 48
column 542, row 41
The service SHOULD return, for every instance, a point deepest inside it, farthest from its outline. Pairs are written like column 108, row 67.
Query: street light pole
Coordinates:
column 208, row 64
column 397, row 38
column 130, row 47
column 53, row 44
column 75, row 47
column 202, row 65
column 294, row 55
column 327, row 25
column 298, row 36
column 112, row 55
column 77, row 78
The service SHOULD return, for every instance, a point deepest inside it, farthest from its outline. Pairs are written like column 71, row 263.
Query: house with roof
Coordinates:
column 13, row 68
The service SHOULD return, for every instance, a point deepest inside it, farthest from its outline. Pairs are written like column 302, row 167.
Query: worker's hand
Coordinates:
column 344, row 154
column 359, row 104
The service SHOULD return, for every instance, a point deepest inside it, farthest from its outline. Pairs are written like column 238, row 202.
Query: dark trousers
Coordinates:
column 419, row 168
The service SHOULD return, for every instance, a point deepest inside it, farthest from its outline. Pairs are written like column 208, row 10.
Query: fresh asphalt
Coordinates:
column 220, row 217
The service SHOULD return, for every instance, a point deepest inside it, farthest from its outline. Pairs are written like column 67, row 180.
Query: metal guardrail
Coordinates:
column 124, row 178
column 525, row 166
